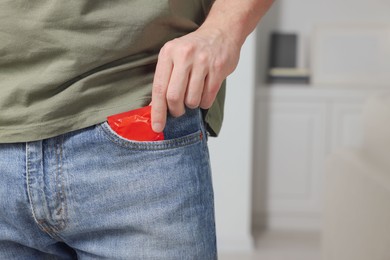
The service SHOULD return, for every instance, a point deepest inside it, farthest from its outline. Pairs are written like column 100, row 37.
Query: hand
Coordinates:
column 190, row 71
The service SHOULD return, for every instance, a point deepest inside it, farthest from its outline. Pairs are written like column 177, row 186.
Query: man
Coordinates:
column 71, row 187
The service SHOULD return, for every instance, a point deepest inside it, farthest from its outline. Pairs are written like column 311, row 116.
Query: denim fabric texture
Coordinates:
column 91, row 194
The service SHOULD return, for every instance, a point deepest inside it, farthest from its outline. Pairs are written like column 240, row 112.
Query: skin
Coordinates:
column 190, row 69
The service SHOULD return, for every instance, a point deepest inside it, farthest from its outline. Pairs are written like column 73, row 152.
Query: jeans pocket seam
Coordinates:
column 153, row 145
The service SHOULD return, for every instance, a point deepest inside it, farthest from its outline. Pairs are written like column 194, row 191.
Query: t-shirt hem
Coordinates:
column 53, row 128
column 29, row 133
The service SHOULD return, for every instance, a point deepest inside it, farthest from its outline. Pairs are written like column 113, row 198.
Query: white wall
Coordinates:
column 302, row 16
column 231, row 158
column 231, row 152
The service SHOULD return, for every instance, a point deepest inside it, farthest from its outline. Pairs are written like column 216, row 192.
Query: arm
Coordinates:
column 190, row 69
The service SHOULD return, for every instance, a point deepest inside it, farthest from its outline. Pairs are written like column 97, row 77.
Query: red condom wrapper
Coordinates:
column 135, row 125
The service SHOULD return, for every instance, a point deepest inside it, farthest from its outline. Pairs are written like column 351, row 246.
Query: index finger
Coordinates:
column 159, row 92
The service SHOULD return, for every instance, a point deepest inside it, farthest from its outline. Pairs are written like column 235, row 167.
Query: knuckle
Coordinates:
column 176, row 111
column 186, row 50
column 192, row 102
column 218, row 65
column 206, row 104
column 180, row 113
column 165, row 51
column 173, row 97
column 167, row 47
column 202, row 58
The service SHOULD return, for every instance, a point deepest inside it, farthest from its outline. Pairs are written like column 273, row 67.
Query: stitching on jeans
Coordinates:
column 32, row 205
column 59, row 185
column 56, row 188
column 63, row 198
column 41, row 223
column 28, row 181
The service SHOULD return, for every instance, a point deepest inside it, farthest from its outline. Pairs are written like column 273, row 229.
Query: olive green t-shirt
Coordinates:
column 66, row 65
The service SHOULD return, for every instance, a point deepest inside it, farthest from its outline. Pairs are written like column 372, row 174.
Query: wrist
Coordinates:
column 236, row 19
column 230, row 28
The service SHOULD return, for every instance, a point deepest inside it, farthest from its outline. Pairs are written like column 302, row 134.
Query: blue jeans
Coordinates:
column 90, row 194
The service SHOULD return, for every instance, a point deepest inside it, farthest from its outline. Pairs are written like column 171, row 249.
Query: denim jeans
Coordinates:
column 90, row 194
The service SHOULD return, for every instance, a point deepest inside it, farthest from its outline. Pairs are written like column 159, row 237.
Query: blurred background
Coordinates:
column 301, row 168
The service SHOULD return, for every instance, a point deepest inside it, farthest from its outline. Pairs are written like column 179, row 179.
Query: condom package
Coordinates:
column 135, row 125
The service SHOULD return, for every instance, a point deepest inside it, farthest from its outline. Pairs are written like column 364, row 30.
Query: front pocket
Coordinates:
column 179, row 131
column 151, row 145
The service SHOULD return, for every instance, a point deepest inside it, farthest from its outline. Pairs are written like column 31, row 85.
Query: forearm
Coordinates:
column 236, row 18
